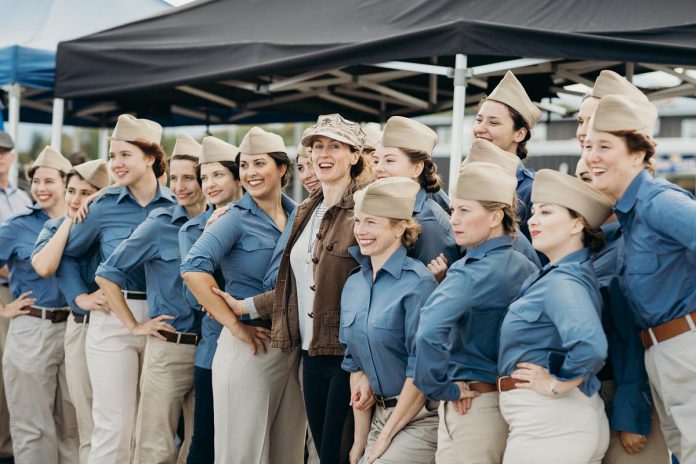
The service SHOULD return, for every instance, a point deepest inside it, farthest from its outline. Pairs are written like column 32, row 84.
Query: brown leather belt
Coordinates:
column 180, row 338
column 482, row 387
column 134, row 295
column 265, row 323
column 668, row 330
column 54, row 315
column 80, row 318
column 507, row 383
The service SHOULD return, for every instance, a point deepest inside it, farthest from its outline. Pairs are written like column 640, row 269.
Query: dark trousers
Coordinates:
column 202, row 449
column 327, row 395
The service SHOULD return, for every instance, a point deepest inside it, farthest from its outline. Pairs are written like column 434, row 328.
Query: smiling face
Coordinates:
column 183, row 182
column 472, row 223
column 376, row 235
column 218, row 184
column 128, row 163
column 494, row 123
column 77, row 191
column 260, row 175
column 393, row 162
column 332, row 160
column 612, row 166
column 587, row 107
column 554, row 230
column 47, row 188
column 307, row 177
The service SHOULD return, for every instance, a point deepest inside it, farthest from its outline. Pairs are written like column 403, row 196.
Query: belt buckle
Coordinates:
column 178, row 338
column 380, row 402
column 498, row 384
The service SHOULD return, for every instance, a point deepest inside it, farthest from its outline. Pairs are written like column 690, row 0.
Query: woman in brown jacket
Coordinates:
column 305, row 305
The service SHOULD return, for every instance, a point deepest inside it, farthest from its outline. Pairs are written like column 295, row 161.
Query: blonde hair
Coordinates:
column 412, row 231
column 510, row 218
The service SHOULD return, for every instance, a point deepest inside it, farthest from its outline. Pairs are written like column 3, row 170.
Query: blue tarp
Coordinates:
column 31, row 30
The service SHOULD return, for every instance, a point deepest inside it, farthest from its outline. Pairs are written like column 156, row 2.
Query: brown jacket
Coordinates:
column 332, row 264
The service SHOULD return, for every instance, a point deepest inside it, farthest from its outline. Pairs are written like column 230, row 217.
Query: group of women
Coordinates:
column 395, row 323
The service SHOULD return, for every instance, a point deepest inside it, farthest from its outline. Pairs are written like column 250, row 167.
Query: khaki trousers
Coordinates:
column 166, row 388
column 42, row 418
column 79, row 385
column 5, row 437
column 259, row 411
column 655, row 451
column 416, row 443
column 477, row 437
column 114, row 358
column 671, row 367
column 567, row 429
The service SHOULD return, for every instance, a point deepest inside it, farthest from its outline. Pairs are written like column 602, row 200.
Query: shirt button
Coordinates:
column 315, row 260
column 313, row 288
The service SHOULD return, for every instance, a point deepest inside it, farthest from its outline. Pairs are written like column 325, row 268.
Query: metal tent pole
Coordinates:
column 459, row 105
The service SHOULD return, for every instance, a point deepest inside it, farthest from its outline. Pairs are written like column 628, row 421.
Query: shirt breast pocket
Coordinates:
column 529, row 313
column 115, row 236
column 641, row 263
column 257, row 243
column 170, row 254
column 389, row 320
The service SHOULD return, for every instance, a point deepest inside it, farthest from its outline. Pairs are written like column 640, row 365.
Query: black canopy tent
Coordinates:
column 233, row 61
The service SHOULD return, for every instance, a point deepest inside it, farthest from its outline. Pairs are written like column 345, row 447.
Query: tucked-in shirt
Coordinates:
column 210, row 328
column 555, row 323
column 436, row 236
column 241, row 244
column 85, row 266
column 111, row 219
column 658, row 265
column 17, row 236
column 379, row 319
column 12, row 201
column 154, row 245
column 459, row 325
column 631, row 409
column 525, row 179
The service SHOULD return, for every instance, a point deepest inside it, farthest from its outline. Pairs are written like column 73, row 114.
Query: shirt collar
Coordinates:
column 420, row 201
column 491, row 244
column 519, row 172
column 579, row 256
column 38, row 210
column 10, row 188
column 393, row 266
column 612, row 230
column 178, row 213
column 162, row 192
column 628, row 200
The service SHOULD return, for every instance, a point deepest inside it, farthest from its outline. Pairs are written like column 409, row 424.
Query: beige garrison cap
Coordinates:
column 611, row 83
column 301, row 149
column 555, row 188
column 511, row 92
column 96, row 172
column 216, row 150
column 131, row 129
column 335, row 127
column 186, row 145
column 408, row 134
column 482, row 181
column 258, row 142
column 616, row 113
column 372, row 137
column 391, row 197
column 488, row 152
column 51, row 158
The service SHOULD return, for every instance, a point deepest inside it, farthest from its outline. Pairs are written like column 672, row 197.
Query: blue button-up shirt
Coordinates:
column 17, row 236
column 437, row 236
column 525, row 179
column 154, row 245
column 210, row 328
column 441, row 198
column 112, row 218
column 241, row 244
column 555, row 323
column 658, row 268
column 85, row 266
column 632, row 408
column 379, row 319
column 12, row 201
column 458, row 333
